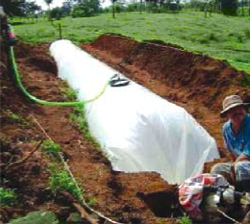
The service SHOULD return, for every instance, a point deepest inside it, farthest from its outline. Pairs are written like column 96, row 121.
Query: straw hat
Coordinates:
column 230, row 102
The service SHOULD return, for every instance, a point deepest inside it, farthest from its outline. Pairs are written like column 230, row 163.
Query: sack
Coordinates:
column 191, row 193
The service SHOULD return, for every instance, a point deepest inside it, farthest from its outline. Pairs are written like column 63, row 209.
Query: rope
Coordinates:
column 49, row 103
column 44, row 102
column 67, row 168
column 228, row 217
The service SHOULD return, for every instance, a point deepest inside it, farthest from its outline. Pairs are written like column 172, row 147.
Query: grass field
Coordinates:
column 219, row 36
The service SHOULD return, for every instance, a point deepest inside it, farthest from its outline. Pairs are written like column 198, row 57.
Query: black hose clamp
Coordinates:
column 118, row 81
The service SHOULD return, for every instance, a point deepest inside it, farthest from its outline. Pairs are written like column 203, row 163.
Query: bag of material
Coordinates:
column 138, row 130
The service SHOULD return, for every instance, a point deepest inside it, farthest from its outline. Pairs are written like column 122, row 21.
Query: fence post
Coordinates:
column 60, row 31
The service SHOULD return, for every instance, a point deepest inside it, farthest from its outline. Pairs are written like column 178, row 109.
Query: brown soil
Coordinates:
column 194, row 81
column 120, row 196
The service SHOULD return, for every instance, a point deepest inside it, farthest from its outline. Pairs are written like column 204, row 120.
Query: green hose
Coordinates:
column 44, row 102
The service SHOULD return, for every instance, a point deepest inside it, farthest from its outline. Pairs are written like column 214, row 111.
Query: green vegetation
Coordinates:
column 15, row 117
column 60, row 181
column 69, row 93
column 219, row 36
column 184, row 219
column 51, row 147
column 86, row 8
column 40, row 217
column 91, row 201
column 78, row 117
column 7, row 197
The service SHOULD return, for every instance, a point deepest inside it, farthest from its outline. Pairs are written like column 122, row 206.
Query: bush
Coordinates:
column 60, row 181
column 118, row 8
column 51, row 147
column 229, row 7
column 85, row 9
column 213, row 37
column 7, row 197
column 247, row 33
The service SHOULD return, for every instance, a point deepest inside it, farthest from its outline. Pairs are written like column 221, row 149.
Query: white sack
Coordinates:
column 138, row 130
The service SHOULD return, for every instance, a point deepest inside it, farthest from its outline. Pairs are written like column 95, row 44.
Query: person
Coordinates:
column 236, row 135
column 4, row 23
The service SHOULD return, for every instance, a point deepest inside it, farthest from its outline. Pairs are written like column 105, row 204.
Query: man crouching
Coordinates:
column 236, row 135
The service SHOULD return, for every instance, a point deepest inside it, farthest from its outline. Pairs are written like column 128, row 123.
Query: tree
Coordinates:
column 67, row 7
column 13, row 7
column 249, row 7
column 56, row 13
column 48, row 2
column 30, row 8
column 86, row 8
column 140, row 6
column 229, row 7
column 113, row 7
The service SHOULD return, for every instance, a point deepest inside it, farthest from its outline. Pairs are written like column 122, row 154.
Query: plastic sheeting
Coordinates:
column 138, row 130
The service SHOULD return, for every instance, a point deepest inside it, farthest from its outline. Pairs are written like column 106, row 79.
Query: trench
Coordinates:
column 193, row 81
column 120, row 53
column 138, row 130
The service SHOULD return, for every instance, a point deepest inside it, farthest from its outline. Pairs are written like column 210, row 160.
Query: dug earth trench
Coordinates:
column 119, row 196
column 195, row 82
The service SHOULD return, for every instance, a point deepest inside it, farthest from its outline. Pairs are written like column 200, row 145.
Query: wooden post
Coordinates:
column 248, row 7
column 60, row 31
column 113, row 9
column 242, row 8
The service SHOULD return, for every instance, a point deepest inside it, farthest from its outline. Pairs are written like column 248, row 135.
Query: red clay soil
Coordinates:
column 123, row 197
column 196, row 82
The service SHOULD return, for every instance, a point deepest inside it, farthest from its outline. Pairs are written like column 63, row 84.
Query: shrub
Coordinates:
column 7, row 197
column 213, row 37
column 184, row 219
column 51, row 147
column 83, row 10
column 247, row 33
column 61, row 181
column 229, row 7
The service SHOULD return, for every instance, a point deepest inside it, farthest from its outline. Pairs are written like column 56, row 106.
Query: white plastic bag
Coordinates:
column 138, row 130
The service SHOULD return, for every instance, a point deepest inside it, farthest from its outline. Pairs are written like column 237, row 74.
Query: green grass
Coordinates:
column 60, row 181
column 184, row 219
column 51, row 147
column 39, row 217
column 7, row 197
column 69, row 93
column 91, row 201
column 220, row 36
column 78, row 117
column 15, row 117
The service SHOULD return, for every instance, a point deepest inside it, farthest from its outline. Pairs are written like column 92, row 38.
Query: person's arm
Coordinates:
column 226, row 145
column 244, row 156
column 232, row 154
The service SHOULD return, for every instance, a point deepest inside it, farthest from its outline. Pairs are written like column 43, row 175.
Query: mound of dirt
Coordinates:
column 194, row 81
